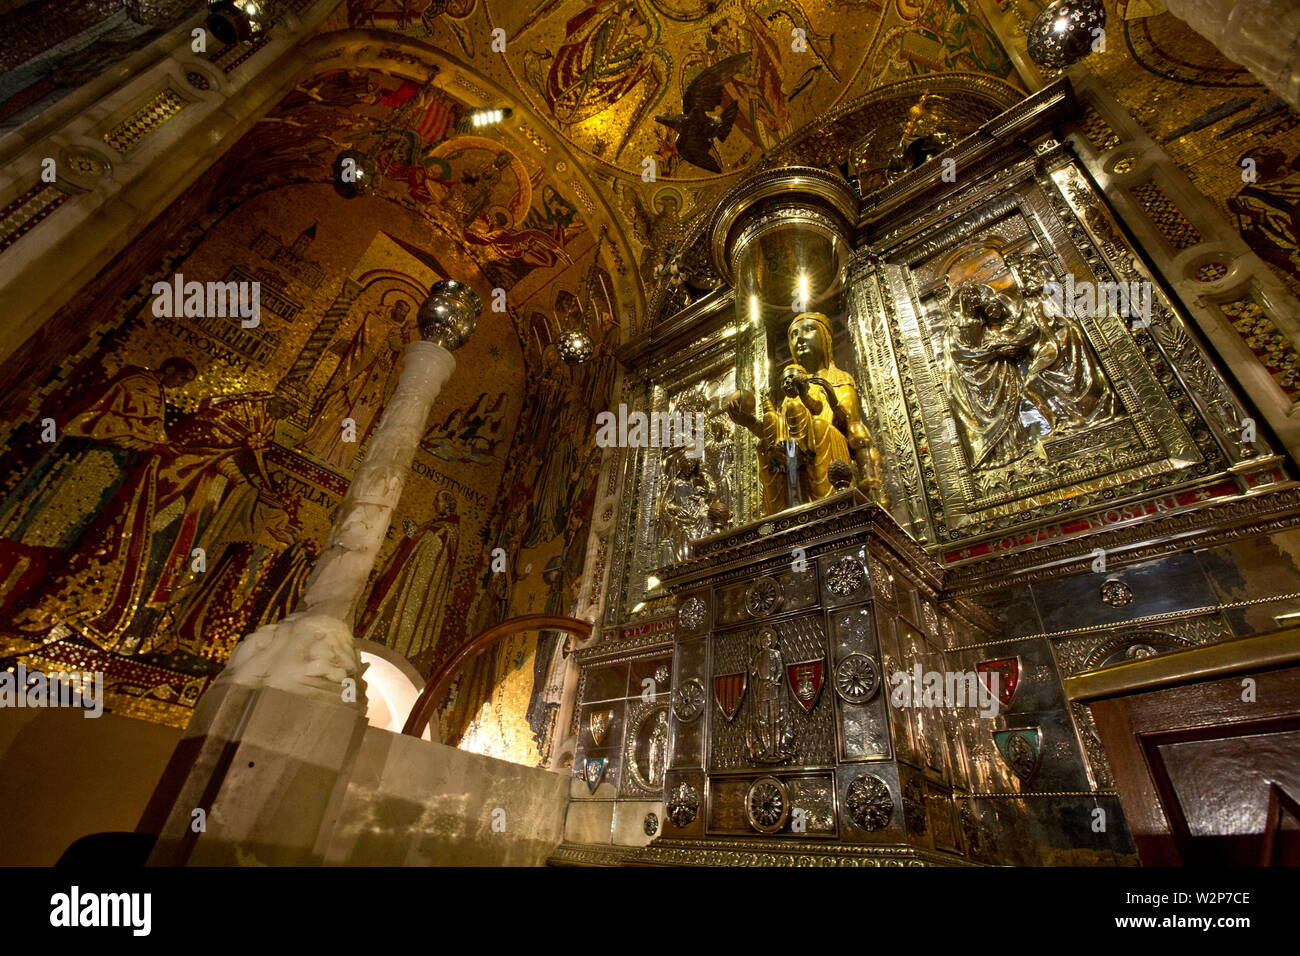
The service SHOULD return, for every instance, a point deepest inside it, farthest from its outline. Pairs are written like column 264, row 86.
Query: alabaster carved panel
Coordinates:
column 997, row 405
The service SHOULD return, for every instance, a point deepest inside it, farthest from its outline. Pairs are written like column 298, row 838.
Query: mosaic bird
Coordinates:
column 696, row 128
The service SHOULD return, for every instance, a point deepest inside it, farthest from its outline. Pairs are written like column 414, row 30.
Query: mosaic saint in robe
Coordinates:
column 410, row 596
column 102, row 432
column 359, row 386
column 1268, row 210
column 138, row 549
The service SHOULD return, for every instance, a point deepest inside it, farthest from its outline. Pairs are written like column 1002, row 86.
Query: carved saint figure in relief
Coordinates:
column 818, row 422
column 986, row 336
column 657, row 758
column 769, row 735
column 1064, row 380
column 687, row 506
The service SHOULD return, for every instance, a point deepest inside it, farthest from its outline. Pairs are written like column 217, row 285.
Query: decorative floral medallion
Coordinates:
column 857, row 678
column 1116, row 593
column 651, row 824
column 845, row 576
column 82, row 166
column 869, row 804
column 767, row 805
column 764, row 596
column 662, row 674
column 692, row 613
column 689, row 700
column 683, row 805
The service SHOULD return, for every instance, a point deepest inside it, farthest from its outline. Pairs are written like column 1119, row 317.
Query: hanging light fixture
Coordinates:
column 234, row 21
column 575, row 345
column 1064, row 31
column 355, row 174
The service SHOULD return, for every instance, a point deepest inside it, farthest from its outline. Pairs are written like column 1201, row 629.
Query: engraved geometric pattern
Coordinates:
column 800, row 639
column 815, row 797
column 1166, row 216
column 1098, row 131
column 1211, row 272
column 914, row 806
column 691, row 614
column 869, row 804
column 853, row 631
column 126, row 135
column 21, row 215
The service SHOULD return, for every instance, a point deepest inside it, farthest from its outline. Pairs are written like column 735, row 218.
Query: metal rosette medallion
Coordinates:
column 691, row 614
column 764, row 596
column 689, row 700
column 845, row 576
column 869, row 804
column 767, row 805
column 857, row 678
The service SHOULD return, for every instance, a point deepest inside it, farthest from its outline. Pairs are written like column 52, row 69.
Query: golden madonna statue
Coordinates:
column 817, row 423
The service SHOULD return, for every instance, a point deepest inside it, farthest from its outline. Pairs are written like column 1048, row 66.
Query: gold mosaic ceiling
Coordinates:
column 599, row 72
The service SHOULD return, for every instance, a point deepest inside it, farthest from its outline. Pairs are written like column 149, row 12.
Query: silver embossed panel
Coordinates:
column 812, row 734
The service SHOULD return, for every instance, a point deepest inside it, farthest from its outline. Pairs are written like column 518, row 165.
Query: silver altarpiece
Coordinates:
column 1015, row 443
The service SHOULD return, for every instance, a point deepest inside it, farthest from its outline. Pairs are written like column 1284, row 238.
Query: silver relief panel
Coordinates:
column 864, row 727
column 770, row 728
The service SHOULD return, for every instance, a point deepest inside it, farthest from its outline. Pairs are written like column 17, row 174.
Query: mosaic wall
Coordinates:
column 615, row 78
column 131, row 439
column 1208, row 114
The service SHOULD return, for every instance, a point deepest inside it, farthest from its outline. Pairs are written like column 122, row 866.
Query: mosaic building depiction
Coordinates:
column 951, row 347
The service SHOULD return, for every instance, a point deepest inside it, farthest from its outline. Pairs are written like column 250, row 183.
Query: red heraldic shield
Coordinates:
column 729, row 691
column 806, row 678
column 1007, row 671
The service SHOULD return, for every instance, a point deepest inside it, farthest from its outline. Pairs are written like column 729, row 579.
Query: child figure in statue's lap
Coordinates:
column 817, row 423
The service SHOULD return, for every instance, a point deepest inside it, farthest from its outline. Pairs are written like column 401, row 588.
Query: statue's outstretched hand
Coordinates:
column 740, row 409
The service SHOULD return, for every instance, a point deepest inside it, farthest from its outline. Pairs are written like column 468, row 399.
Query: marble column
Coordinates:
column 312, row 650
column 1261, row 35
column 262, row 770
